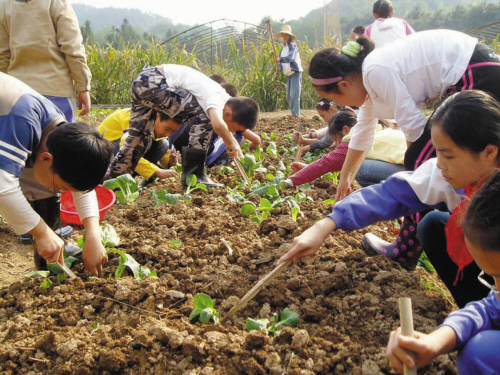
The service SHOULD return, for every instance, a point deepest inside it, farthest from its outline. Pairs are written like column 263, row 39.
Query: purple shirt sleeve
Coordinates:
column 388, row 200
column 475, row 317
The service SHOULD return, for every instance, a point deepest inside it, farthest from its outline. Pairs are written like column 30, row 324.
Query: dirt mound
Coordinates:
column 347, row 301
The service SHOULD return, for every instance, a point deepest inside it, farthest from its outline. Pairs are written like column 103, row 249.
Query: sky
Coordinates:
column 192, row 12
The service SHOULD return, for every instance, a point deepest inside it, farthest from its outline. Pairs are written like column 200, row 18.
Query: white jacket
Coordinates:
column 387, row 30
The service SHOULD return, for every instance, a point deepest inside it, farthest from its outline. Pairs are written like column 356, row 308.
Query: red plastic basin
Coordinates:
column 105, row 199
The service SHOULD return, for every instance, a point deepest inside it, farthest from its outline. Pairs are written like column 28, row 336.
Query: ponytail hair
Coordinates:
column 384, row 9
column 471, row 119
column 345, row 117
column 330, row 66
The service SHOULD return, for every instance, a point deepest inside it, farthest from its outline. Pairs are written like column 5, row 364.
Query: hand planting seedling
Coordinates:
column 204, row 309
column 251, row 166
column 288, row 318
column 127, row 188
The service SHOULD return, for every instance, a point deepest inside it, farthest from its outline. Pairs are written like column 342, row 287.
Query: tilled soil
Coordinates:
column 347, row 301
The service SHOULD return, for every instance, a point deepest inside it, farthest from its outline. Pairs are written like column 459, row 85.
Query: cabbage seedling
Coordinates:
column 127, row 188
column 288, row 318
column 192, row 184
column 204, row 308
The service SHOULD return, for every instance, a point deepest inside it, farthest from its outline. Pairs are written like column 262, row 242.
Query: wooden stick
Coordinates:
column 298, row 153
column 255, row 290
column 67, row 271
column 272, row 41
column 241, row 169
column 406, row 317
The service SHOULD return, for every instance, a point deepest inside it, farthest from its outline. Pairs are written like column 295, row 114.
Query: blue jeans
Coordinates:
column 293, row 86
column 373, row 171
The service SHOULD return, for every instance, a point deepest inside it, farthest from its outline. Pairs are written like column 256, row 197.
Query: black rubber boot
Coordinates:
column 193, row 162
column 406, row 250
column 49, row 210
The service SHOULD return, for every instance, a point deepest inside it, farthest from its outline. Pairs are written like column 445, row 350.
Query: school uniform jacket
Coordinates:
column 402, row 194
column 24, row 114
column 405, row 76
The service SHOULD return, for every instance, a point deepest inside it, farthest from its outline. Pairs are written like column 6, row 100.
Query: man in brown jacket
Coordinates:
column 41, row 45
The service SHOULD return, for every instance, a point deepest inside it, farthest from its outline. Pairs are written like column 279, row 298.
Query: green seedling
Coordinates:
column 259, row 214
column 204, row 308
column 126, row 260
column 37, row 274
column 163, row 197
column 332, row 176
column 257, row 153
column 234, row 195
column 329, row 202
column 109, row 238
column 175, row 243
column 46, row 284
column 95, row 327
column 251, row 166
column 425, row 264
column 288, row 318
column 192, row 184
column 226, row 170
column 272, row 150
column 264, row 136
column 177, row 168
column 127, row 188
column 273, row 136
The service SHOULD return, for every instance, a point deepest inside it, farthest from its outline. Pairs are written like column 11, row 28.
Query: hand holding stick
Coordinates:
column 406, row 317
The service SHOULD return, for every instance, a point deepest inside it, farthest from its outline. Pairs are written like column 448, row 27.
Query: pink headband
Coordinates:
column 325, row 81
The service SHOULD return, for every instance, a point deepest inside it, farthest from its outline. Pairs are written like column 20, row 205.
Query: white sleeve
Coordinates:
column 321, row 132
column 363, row 133
column 14, row 207
column 390, row 93
column 86, row 204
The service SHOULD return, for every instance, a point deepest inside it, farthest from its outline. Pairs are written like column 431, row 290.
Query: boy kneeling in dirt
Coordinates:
column 188, row 97
column 40, row 156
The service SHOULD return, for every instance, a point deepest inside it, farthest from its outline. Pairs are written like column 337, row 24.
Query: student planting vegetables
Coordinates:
column 393, row 82
column 40, row 156
column 319, row 139
column 466, row 134
column 188, row 97
column 475, row 329
column 386, row 28
column 384, row 160
column 115, row 129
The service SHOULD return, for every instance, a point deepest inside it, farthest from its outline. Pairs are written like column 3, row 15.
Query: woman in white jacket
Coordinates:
column 386, row 28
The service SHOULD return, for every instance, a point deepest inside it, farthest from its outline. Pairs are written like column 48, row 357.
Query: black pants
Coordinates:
column 432, row 237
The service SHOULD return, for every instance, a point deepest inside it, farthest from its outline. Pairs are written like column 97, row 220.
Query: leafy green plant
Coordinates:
column 163, row 197
column 127, row 188
column 224, row 169
column 332, row 176
column 192, row 184
column 272, row 150
column 46, row 284
column 204, row 308
column 234, row 195
column 126, row 260
column 259, row 214
column 175, row 243
column 109, row 238
column 251, row 165
column 288, row 318
column 37, row 274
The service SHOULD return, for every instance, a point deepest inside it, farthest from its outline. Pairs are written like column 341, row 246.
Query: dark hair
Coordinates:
column 245, row 111
column 359, row 30
column 323, row 104
column 81, row 155
column 217, row 78
column 383, row 8
column 230, row 89
column 163, row 116
column 331, row 62
column 345, row 117
column 482, row 221
column 471, row 119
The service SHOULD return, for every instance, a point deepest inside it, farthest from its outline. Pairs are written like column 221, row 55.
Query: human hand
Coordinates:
column 310, row 241
column 165, row 173
column 343, row 189
column 422, row 345
column 94, row 254
column 296, row 166
column 84, row 102
column 48, row 244
column 234, row 150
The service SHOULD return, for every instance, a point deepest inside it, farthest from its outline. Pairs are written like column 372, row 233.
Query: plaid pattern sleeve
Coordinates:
column 331, row 162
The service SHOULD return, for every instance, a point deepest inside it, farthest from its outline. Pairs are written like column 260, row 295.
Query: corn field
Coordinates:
column 251, row 70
